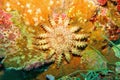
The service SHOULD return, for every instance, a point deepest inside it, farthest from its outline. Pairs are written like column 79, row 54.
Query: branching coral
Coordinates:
column 60, row 40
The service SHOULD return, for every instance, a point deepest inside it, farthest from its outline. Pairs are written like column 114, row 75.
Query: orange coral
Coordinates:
column 37, row 11
column 32, row 11
column 82, row 8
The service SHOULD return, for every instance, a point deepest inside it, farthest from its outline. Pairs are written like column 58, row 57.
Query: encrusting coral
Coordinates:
column 9, row 33
column 23, row 55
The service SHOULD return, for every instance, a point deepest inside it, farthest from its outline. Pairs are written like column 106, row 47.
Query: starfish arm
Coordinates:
column 41, row 42
column 59, row 60
column 47, row 28
column 51, row 53
column 44, row 35
column 80, row 36
column 66, row 22
column 75, row 51
column 80, row 44
column 74, row 29
column 67, row 56
column 60, row 21
column 52, row 22
column 41, row 47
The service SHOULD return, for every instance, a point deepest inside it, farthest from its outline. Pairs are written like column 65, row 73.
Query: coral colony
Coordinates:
column 8, row 32
column 81, row 33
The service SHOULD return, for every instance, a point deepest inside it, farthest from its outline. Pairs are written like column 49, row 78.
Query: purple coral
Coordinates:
column 38, row 64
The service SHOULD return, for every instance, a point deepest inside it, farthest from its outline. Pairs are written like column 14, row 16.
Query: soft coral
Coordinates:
column 118, row 5
column 102, row 2
column 5, row 19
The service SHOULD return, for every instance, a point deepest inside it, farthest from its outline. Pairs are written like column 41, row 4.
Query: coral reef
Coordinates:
column 83, row 33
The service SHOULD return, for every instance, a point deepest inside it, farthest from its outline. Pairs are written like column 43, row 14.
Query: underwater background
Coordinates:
column 60, row 40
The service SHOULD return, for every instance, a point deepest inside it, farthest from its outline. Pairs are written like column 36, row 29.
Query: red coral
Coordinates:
column 104, row 11
column 102, row 2
column 1, row 36
column 118, row 2
column 118, row 7
column 118, row 31
column 5, row 20
column 11, row 36
column 113, row 31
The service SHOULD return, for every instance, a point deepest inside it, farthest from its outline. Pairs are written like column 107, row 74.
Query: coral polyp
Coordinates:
column 60, row 40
